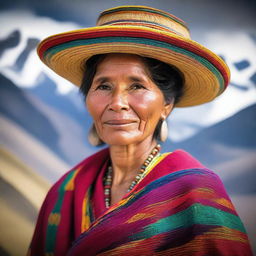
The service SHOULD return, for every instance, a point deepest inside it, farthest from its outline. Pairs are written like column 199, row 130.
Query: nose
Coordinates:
column 118, row 102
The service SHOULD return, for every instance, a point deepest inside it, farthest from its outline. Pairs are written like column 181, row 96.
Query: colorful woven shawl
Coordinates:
column 179, row 208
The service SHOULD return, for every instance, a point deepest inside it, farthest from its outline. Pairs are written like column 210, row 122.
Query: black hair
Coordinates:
column 168, row 78
column 90, row 68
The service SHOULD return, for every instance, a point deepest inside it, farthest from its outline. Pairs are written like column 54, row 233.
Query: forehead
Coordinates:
column 123, row 57
column 119, row 60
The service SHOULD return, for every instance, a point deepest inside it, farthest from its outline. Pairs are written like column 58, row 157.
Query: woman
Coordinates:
column 131, row 199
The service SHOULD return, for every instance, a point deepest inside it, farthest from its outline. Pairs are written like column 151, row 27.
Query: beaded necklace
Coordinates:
column 138, row 178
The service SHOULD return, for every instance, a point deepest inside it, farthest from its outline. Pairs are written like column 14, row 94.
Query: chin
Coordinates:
column 122, row 140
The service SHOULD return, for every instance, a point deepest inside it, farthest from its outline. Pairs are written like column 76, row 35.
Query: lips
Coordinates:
column 120, row 122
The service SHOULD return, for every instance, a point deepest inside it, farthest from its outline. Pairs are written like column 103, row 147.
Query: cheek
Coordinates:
column 95, row 106
column 148, row 106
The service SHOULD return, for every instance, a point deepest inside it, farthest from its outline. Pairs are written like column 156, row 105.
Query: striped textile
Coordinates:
column 179, row 208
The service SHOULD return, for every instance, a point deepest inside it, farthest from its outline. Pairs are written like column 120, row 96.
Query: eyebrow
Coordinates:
column 104, row 79
column 135, row 79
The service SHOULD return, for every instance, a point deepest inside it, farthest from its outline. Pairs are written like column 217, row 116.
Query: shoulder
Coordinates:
column 199, row 190
column 186, row 171
column 179, row 167
column 180, row 160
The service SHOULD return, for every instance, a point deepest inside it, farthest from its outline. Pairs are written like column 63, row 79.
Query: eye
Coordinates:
column 103, row 87
column 137, row 86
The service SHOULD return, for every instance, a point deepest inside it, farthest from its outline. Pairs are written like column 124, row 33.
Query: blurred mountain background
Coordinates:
column 44, row 124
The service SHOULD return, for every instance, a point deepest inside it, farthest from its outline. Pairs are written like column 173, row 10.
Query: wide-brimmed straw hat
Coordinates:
column 144, row 31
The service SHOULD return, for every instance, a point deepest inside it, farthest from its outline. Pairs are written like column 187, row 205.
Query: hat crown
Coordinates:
column 145, row 17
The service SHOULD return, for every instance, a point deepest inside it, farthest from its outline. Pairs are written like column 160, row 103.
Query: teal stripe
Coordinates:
column 50, row 238
column 89, row 210
column 196, row 214
column 48, row 54
column 51, row 231
column 61, row 190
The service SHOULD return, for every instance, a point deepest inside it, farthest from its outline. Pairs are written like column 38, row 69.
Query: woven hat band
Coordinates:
column 144, row 17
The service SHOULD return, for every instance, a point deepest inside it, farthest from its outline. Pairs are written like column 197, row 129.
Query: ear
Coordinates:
column 168, row 107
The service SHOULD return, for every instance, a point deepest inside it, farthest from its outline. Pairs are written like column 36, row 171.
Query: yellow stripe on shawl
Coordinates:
column 49, row 254
column 85, row 217
column 54, row 219
column 70, row 184
column 225, row 202
column 154, row 162
column 140, row 216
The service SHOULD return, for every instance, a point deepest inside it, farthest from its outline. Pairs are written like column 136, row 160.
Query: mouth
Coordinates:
column 121, row 122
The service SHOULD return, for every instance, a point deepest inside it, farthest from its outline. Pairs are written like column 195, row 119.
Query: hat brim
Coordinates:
column 206, row 74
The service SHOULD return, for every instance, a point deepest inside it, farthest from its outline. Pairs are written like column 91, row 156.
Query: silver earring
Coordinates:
column 164, row 131
column 93, row 137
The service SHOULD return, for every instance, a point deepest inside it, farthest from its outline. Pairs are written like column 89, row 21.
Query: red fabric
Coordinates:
column 179, row 160
column 91, row 171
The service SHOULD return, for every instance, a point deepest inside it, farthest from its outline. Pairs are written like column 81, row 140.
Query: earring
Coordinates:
column 93, row 137
column 164, row 131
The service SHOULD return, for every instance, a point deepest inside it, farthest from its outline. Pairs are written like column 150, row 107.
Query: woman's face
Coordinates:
column 125, row 103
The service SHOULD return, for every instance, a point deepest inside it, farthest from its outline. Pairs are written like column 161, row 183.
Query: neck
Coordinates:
column 127, row 160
